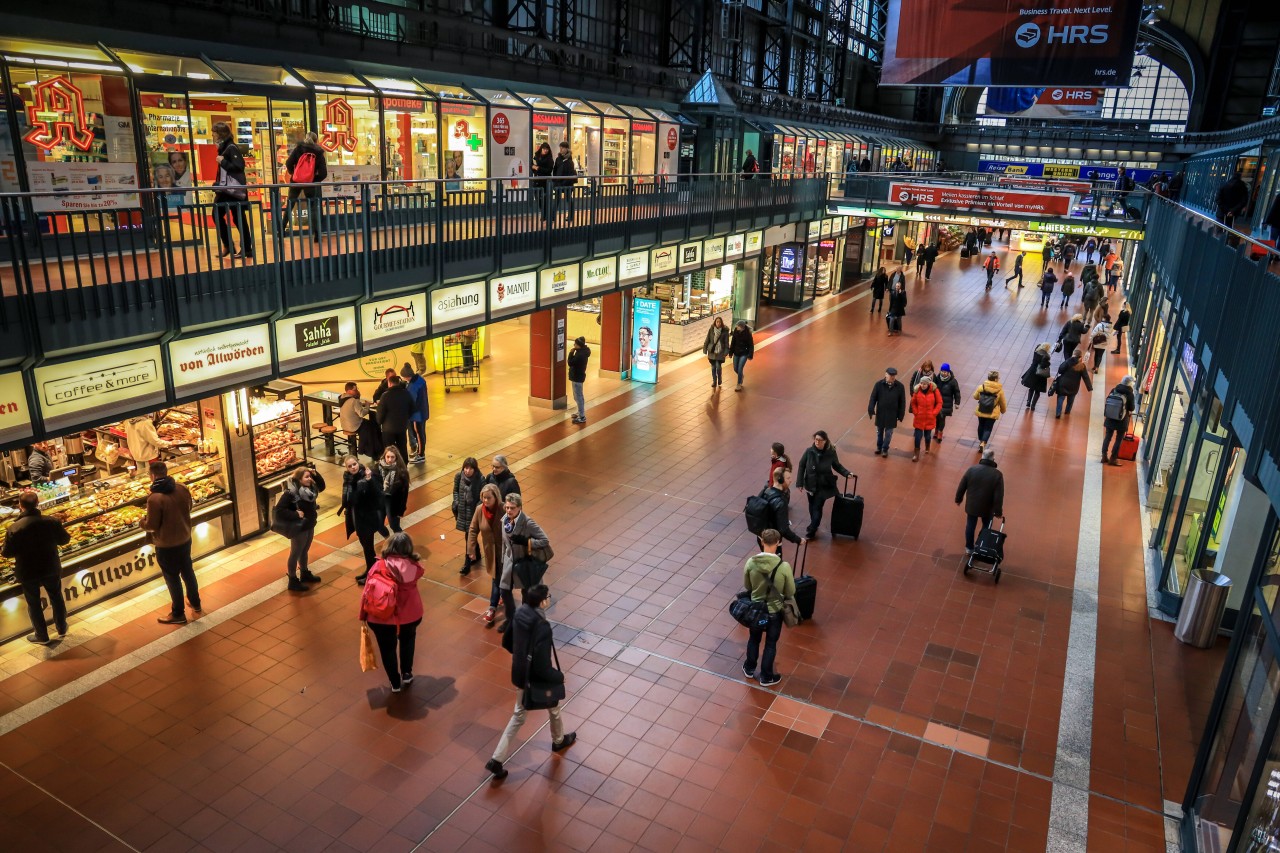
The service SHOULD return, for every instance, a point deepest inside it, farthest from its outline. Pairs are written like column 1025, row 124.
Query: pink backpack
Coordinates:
column 379, row 597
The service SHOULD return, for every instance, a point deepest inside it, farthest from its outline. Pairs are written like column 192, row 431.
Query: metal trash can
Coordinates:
column 1202, row 608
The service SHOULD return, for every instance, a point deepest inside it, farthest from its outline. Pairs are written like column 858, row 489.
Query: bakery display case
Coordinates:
column 276, row 419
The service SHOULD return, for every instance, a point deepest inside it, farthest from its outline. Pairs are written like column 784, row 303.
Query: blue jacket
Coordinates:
column 418, row 391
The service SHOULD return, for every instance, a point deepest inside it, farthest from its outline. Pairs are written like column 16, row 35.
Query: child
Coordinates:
column 777, row 460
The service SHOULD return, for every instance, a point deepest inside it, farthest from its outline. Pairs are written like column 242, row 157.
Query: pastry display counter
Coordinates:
column 690, row 304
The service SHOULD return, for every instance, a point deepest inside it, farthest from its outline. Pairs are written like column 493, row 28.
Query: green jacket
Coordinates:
column 755, row 577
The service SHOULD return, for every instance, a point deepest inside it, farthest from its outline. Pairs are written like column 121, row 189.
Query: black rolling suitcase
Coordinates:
column 806, row 585
column 846, row 512
column 964, row 251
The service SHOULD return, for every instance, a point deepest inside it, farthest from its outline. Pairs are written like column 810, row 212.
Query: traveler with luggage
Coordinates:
column 879, row 285
column 886, row 408
column 992, row 266
column 897, row 307
column 949, row 389
column 991, row 405
column 1036, row 377
column 926, row 402
column 1116, row 412
column 1067, row 384
column 769, row 579
column 771, row 509
column 818, row 468
column 981, row 490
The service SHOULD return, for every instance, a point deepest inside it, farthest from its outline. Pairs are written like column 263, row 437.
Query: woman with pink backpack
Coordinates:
column 392, row 607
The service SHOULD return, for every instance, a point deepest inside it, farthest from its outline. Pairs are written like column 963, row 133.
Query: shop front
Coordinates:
column 803, row 262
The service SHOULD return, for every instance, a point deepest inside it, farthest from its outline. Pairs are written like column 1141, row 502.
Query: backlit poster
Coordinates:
column 509, row 147
column 645, row 331
column 1045, row 101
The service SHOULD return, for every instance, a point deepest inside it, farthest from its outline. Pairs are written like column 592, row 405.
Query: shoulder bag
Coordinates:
column 541, row 696
column 750, row 613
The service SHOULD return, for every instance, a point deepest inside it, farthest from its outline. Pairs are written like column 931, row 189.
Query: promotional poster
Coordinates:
column 645, row 330
column 1059, row 102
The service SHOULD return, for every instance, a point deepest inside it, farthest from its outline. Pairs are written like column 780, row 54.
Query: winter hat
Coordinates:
column 945, row 367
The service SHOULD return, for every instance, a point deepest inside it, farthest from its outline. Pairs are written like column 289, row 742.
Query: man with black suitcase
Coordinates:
column 768, row 578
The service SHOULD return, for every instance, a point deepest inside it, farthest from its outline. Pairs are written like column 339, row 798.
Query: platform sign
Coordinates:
column 646, row 329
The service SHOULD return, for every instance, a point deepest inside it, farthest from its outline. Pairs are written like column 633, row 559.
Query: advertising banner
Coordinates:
column 1052, row 43
column 510, row 147
column 91, row 390
column 115, row 186
column 986, row 199
column 219, row 360
column 1084, row 172
column 344, row 179
column 511, row 293
column 1046, row 102
column 646, row 329
column 395, row 318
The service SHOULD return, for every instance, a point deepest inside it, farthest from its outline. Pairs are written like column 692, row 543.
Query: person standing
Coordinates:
column 520, row 536
column 1070, row 374
column 1115, row 419
column 1068, row 288
column 930, row 258
column 295, row 517
column 544, row 165
column 1017, row 270
column 484, row 543
column 396, row 632
column 532, row 652
column 886, row 408
column 1114, row 273
column 501, row 476
column 352, row 410
column 466, row 500
column 777, row 459
column 1232, row 199
column 1122, row 323
column 981, row 490
column 395, row 487
column 769, row 579
column 1036, row 377
column 307, row 172
column 778, row 496
column 394, row 412
column 363, row 508
column 879, row 285
column 926, row 403
column 716, row 348
column 991, row 405
column 564, row 176
column 992, row 266
column 577, row 363
column 1047, row 281
column 230, row 197
column 897, row 307
column 419, row 414
column 32, row 542
column 388, row 377
column 818, row 467
column 39, row 464
column 168, row 520
column 742, row 347
column 949, row 389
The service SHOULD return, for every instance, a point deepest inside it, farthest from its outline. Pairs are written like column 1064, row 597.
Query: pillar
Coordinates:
column 1245, row 523
column 548, row 382
column 615, row 334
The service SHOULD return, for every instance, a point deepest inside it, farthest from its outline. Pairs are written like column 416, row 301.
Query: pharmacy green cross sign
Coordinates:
column 475, row 143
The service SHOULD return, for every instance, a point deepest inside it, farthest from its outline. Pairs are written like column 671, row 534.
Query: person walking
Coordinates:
column 749, row 166
column 1046, row 252
column 395, row 487
column 920, row 262
column 1090, row 246
column 532, row 649
column 991, row 405
column 396, row 632
column 419, row 414
column 777, row 459
column 230, row 196
column 1070, row 335
column 992, row 266
column 544, row 164
column 294, row 517
column 716, row 347
column 742, row 346
column 1069, row 252
column 949, row 389
column 897, row 307
column 466, row 500
column 1036, row 377
column 926, row 403
column 1068, row 288
column 819, row 465
column 32, row 541
column 565, row 177
column 924, row 371
column 1067, row 384
column 930, row 258
column 168, row 520
column 395, row 410
column 879, row 285
column 1099, row 336
column 307, row 173
column 886, row 408
column 484, row 543
column 981, row 490
column 769, row 579
column 1114, row 273
column 1017, row 270
column 577, row 360
column 1116, row 413
column 362, row 505
column 1090, row 298
column 1122, row 323
column 520, row 536
column 1047, row 282
column 1232, row 199
column 501, row 476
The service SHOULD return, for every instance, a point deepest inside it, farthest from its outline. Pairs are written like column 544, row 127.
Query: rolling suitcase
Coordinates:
column 964, row 251
column 846, row 512
column 1128, row 447
column 806, row 585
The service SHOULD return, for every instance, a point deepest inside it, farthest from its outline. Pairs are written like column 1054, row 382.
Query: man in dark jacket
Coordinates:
column 308, row 170
column 949, row 387
column 1117, row 427
column 887, row 407
column 395, row 408
column 32, row 542
column 565, row 175
column 578, row 358
column 982, row 491
column 502, row 477
column 384, row 384
column 1070, row 374
column 1017, row 270
column 778, row 494
column 750, row 166
column 1233, row 198
column 930, row 255
column 169, row 523
column 530, row 642
column 818, row 467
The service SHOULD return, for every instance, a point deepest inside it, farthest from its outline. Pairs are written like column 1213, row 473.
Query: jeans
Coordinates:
column 884, row 435
column 563, row 195
column 175, row 565
column 1044, row 298
column 517, row 720
column 579, row 400
column 739, row 366
column 1066, row 297
column 1112, row 432
column 495, row 594
column 508, row 603
column 390, row 636
column 991, row 273
column 51, row 585
column 985, row 426
column 717, row 369
column 816, row 505
column 971, row 524
column 877, row 304
column 927, row 435
column 313, row 207
column 771, row 632
column 418, row 436
column 1070, row 400
column 299, row 544
column 226, row 212
column 366, row 544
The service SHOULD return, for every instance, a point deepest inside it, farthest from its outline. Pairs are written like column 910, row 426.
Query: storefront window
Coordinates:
column 1199, row 522
column 412, row 137
column 644, row 144
column 271, row 75
column 584, row 136
column 615, row 142
column 550, row 123
column 165, row 66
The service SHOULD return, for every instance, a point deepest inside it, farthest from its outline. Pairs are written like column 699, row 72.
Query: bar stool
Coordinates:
column 326, row 431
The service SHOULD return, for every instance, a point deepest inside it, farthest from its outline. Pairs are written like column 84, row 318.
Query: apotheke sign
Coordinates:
column 456, row 306
column 221, row 359
column 89, row 389
column 510, row 293
column 315, row 337
column 599, row 275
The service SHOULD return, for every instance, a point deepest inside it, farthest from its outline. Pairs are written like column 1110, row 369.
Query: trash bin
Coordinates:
column 1202, row 608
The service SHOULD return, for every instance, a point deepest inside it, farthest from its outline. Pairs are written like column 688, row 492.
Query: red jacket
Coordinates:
column 925, row 406
column 406, row 571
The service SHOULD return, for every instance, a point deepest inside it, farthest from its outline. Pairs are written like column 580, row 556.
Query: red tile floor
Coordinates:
column 918, row 711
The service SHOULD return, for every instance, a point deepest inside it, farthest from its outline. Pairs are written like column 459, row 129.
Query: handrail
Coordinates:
column 1207, row 221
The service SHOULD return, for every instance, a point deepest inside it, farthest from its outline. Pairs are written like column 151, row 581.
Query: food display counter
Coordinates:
column 690, row 304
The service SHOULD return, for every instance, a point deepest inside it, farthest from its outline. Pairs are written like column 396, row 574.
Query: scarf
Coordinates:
column 306, row 495
column 488, row 513
column 507, row 524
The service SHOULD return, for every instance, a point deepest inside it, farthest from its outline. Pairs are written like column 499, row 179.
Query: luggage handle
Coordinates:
column 854, row 493
column 802, row 553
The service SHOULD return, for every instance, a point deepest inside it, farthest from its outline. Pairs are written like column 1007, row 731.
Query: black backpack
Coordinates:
column 986, row 402
column 759, row 513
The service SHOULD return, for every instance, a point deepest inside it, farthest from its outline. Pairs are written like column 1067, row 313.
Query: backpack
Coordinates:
column 1115, row 409
column 986, row 402
column 305, row 171
column 379, row 597
column 759, row 513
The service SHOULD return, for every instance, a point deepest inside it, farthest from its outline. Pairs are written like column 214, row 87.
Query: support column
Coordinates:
column 615, row 334
column 548, row 383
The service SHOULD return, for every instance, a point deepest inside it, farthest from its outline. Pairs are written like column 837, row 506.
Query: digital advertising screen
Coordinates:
column 645, row 331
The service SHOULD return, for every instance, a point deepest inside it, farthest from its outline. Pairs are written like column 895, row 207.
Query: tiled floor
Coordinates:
column 918, row 711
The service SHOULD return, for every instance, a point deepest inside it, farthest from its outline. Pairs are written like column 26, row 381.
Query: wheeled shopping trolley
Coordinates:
column 988, row 552
column 461, row 369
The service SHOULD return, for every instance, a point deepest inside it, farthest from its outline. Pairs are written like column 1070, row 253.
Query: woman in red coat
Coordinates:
column 926, row 402
column 398, row 566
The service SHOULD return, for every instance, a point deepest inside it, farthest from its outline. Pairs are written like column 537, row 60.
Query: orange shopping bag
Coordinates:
column 368, row 662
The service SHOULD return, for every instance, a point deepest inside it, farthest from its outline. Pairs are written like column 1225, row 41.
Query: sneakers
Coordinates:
column 418, row 460
column 738, row 387
column 749, row 673
column 768, row 680
column 494, row 767
column 915, row 457
column 565, row 742
column 173, row 619
column 406, row 679
column 395, row 689
column 488, row 617
column 32, row 638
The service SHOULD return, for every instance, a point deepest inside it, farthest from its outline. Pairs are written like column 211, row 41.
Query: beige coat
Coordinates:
column 487, row 536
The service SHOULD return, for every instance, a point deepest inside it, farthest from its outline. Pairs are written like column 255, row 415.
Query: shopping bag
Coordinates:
column 368, row 660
